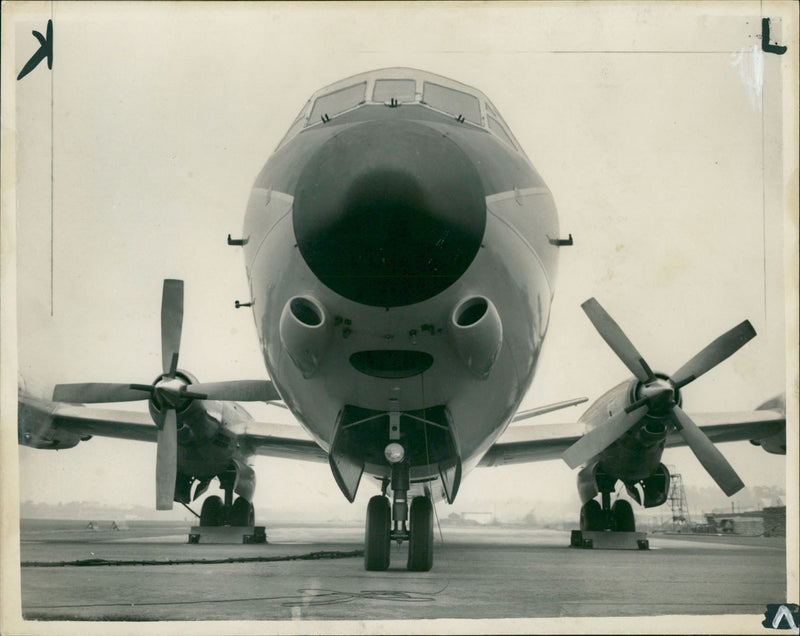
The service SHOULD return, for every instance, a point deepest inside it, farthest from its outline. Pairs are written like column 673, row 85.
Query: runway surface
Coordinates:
column 479, row 572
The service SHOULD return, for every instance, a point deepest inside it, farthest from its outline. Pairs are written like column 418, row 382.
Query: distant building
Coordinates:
column 480, row 518
column 774, row 521
column 769, row 522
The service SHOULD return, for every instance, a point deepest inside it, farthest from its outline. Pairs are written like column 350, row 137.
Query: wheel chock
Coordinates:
column 608, row 540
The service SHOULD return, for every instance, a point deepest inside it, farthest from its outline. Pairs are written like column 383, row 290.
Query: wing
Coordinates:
column 54, row 425
column 524, row 444
column 44, row 424
column 536, row 443
column 766, row 428
column 280, row 440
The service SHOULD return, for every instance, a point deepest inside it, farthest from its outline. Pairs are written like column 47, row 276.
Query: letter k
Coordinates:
column 45, row 50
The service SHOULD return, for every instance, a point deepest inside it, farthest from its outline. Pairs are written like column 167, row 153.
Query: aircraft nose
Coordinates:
column 389, row 213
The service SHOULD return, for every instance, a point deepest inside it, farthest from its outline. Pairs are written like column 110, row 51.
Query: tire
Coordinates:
column 212, row 512
column 242, row 513
column 591, row 516
column 622, row 513
column 377, row 536
column 420, row 535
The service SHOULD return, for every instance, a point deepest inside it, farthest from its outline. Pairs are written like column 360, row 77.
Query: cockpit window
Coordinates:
column 452, row 101
column 402, row 90
column 338, row 102
column 298, row 123
column 497, row 128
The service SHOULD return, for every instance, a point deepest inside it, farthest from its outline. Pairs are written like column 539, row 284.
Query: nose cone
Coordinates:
column 389, row 213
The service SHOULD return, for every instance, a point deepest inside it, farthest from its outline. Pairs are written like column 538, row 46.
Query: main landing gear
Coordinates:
column 386, row 523
column 606, row 526
column 216, row 512
column 597, row 518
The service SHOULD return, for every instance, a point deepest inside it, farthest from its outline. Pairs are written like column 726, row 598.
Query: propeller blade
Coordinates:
column 600, row 438
column 94, row 392
column 237, row 390
column 723, row 347
column 167, row 461
column 709, row 456
column 611, row 332
column 171, row 324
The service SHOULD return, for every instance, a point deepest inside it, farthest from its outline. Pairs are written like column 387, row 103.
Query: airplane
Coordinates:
column 401, row 252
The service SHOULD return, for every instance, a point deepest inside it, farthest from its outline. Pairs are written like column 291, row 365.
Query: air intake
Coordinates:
column 305, row 332
column 477, row 333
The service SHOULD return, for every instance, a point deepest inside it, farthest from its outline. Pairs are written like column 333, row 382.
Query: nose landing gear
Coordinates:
column 389, row 523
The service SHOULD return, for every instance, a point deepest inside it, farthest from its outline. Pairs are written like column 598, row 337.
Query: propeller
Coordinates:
column 171, row 325
column 170, row 392
column 659, row 396
column 167, row 461
column 94, row 392
column 167, row 440
column 709, row 456
column 602, row 437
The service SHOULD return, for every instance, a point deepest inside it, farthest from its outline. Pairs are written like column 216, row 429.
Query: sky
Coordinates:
column 658, row 131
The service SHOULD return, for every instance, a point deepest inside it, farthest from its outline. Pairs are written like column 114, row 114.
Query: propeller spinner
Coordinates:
column 169, row 392
column 659, row 396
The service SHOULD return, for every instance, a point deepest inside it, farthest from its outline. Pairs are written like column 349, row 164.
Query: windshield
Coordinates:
column 401, row 90
column 395, row 87
column 338, row 101
column 450, row 100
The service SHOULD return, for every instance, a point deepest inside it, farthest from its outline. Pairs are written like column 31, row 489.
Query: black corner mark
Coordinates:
column 765, row 45
column 784, row 616
column 45, row 50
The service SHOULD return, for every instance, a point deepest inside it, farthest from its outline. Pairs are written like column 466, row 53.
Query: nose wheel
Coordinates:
column 378, row 534
column 420, row 535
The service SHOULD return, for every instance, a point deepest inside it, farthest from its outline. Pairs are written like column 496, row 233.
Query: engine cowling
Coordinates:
column 636, row 455
column 35, row 426
column 775, row 443
column 651, row 491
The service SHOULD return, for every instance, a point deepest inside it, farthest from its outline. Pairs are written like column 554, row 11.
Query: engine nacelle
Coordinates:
column 637, row 454
column 35, row 426
column 776, row 442
column 652, row 432
column 245, row 485
column 305, row 330
column 651, row 491
column 477, row 333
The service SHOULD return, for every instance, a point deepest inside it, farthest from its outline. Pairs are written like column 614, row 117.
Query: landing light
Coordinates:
column 395, row 453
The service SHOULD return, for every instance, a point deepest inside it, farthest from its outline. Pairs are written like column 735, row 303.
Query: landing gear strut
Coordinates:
column 385, row 523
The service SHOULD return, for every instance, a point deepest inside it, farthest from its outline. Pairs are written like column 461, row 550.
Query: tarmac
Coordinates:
column 316, row 572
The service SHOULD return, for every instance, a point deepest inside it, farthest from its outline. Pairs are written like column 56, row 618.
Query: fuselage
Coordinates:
column 401, row 255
